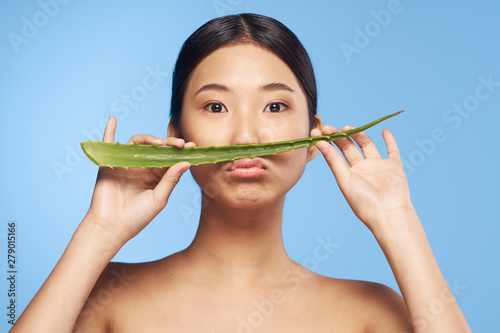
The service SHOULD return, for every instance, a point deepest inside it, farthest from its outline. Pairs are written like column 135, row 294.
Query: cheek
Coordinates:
column 289, row 130
column 206, row 176
column 276, row 130
column 197, row 131
column 286, row 169
column 292, row 164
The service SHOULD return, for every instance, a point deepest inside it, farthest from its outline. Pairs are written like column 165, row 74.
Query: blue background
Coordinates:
column 65, row 68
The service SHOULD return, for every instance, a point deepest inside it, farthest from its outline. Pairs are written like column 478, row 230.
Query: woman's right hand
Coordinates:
column 125, row 201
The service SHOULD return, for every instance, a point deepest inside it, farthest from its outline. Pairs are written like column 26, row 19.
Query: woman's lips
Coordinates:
column 247, row 168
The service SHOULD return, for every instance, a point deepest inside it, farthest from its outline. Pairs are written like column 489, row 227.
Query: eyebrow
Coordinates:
column 276, row 86
column 213, row 86
column 222, row 88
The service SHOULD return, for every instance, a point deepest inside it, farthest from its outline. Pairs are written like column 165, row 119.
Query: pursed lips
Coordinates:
column 247, row 168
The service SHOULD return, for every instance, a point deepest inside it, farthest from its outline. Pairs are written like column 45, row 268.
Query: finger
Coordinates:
column 171, row 141
column 329, row 130
column 339, row 167
column 109, row 131
column 350, row 150
column 346, row 146
column 315, row 132
column 167, row 183
column 159, row 172
column 143, row 139
column 366, row 144
column 392, row 146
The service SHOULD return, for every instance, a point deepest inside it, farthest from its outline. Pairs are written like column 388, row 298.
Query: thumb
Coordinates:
column 168, row 181
column 335, row 161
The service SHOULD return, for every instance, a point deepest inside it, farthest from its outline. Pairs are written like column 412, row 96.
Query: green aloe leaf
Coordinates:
column 154, row 156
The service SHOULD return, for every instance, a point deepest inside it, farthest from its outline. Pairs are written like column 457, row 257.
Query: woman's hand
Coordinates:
column 125, row 201
column 374, row 187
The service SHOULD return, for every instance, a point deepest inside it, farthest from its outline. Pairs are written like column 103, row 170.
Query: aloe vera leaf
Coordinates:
column 154, row 156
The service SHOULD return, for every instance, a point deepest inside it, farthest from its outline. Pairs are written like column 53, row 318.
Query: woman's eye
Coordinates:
column 276, row 107
column 215, row 107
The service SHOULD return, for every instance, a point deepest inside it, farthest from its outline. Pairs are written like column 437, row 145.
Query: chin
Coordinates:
column 246, row 189
column 248, row 196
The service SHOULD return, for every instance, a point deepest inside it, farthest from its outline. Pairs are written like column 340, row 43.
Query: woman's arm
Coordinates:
column 429, row 300
column 377, row 191
column 59, row 301
column 124, row 202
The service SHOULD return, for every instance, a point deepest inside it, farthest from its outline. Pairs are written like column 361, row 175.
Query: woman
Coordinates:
column 243, row 79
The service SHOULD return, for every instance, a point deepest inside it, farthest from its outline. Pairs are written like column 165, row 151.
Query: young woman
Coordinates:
column 243, row 79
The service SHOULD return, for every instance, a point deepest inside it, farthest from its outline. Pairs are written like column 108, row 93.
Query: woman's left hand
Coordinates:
column 373, row 186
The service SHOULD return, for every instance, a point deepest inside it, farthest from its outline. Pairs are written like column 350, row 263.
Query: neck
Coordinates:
column 239, row 246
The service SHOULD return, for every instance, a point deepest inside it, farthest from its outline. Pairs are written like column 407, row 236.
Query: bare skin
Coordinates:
column 236, row 275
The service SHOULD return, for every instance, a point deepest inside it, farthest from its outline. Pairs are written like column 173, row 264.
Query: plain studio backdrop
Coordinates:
column 66, row 66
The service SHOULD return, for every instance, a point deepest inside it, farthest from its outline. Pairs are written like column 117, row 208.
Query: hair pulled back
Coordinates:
column 242, row 28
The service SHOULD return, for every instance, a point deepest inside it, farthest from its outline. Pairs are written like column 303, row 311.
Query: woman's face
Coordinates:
column 242, row 94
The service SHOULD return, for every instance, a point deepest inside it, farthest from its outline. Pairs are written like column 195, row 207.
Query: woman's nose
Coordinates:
column 245, row 128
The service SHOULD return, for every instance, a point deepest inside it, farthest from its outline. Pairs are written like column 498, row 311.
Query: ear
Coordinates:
column 172, row 130
column 313, row 151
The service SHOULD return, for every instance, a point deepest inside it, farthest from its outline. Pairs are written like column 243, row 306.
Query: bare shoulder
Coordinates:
column 117, row 283
column 379, row 307
column 125, row 292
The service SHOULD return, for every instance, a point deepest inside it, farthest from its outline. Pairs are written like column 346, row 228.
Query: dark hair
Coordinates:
column 242, row 28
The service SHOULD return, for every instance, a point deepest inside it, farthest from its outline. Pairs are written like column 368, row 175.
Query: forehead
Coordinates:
column 242, row 65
